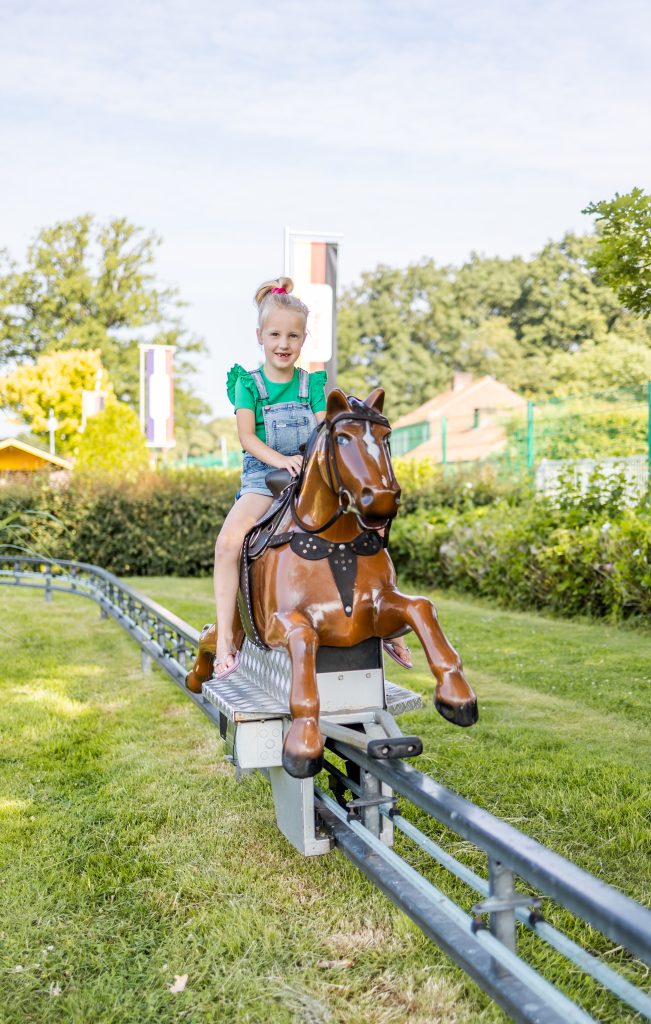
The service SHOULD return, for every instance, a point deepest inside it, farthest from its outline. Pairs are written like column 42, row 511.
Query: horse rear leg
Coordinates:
column 303, row 746
column 454, row 698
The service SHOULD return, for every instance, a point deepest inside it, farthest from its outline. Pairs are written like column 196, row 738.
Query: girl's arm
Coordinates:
column 320, row 416
column 252, row 444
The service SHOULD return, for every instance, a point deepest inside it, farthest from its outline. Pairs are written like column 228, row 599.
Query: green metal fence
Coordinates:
column 607, row 425
column 233, row 461
column 404, row 439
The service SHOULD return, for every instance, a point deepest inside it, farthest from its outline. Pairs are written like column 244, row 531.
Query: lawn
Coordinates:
column 131, row 857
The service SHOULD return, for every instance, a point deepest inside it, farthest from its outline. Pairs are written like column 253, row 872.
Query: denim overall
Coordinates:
column 287, row 426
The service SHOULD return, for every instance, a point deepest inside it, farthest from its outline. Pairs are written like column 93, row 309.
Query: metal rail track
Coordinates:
column 486, row 953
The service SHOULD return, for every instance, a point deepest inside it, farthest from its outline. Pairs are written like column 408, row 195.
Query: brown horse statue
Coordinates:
column 330, row 580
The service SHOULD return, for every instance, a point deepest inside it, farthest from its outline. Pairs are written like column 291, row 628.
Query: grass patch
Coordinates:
column 131, row 855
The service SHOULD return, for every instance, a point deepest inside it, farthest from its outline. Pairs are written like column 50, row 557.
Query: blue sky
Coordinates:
column 413, row 129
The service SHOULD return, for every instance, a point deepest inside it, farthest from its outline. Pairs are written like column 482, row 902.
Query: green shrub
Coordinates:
column 162, row 524
column 113, row 444
column 539, row 555
column 573, row 554
column 427, row 485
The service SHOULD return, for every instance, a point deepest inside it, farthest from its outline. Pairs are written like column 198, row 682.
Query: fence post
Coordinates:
column 530, row 437
column 444, row 440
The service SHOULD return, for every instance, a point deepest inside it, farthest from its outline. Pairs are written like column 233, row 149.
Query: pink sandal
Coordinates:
column 225, row 673
column 395, row 653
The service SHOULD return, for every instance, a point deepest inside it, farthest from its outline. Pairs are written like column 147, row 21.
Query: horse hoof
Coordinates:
column 458, row 714
column 301, row 767
column 193, row 683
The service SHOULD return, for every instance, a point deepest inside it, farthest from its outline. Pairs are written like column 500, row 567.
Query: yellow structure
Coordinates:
column 18, row 457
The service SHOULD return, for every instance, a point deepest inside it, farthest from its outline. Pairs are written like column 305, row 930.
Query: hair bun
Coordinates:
column 268, row 286
column 277, row 294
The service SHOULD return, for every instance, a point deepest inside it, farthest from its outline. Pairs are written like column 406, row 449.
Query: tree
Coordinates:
column 93, row 286
column 623, row 254
column 618, row 363
column 398, row 328
column 112, row 444
column 410, row 330
column 54, row 381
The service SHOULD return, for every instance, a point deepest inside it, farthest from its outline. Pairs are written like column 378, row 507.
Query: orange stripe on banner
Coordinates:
column 318, row 275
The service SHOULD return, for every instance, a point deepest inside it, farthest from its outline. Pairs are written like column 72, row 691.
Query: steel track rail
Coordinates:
column 525, row 995
column 620, row 918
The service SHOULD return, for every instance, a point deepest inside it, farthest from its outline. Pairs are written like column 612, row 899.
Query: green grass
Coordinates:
column 130, row 854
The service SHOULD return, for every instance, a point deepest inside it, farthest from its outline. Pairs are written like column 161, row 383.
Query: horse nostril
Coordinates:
column 366, row 497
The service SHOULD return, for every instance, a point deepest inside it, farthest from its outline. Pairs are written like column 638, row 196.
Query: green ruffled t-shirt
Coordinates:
column 243, row 393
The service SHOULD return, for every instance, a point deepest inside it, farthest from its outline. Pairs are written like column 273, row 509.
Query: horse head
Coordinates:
column 355, row 458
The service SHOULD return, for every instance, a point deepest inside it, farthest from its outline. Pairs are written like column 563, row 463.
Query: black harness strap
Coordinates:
column 342, row 557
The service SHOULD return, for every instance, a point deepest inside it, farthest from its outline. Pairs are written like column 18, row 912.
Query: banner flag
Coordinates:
column 92, row 403
column 311, row 261
column 157, row 395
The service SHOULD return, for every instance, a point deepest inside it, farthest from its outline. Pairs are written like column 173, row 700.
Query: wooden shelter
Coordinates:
column 18, row 457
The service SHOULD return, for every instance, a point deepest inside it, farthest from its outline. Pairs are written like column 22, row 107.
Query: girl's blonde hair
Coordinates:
column 268, row 295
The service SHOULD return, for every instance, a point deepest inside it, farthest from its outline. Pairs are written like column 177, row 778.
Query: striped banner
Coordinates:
column 311, row 261
column 157, row 395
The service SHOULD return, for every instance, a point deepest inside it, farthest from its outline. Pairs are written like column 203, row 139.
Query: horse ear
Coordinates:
column 337, row 402
column 376, row 399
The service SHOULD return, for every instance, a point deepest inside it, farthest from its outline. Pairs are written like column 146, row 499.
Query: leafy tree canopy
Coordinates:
column 92, row 286
column 113, row 445
column 623, row 253
column 55, row 381
column 523, row 321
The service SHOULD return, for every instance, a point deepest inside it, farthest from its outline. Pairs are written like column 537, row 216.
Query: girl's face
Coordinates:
column 282, row 337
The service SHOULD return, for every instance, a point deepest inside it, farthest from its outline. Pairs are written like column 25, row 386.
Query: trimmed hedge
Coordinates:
column 163, row 525
column 579, row 554
column 534, row 555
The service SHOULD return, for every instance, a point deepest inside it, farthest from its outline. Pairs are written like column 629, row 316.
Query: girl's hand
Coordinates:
column 293, row 463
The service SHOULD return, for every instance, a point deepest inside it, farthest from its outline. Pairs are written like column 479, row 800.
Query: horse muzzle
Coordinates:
column 379, row 504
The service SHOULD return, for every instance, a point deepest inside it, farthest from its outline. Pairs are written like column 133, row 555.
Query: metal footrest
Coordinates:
column 241, row 699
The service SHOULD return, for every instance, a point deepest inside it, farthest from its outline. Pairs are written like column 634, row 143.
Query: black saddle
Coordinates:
column 282, row 485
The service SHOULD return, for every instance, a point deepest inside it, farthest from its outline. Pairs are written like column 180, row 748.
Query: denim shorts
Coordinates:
column 253, row 474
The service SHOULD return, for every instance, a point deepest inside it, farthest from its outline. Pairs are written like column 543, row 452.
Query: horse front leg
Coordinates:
column 202, row 669
column 454, row 698
column 303, row 746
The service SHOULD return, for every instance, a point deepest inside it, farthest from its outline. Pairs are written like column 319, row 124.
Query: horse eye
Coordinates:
column 342, row 439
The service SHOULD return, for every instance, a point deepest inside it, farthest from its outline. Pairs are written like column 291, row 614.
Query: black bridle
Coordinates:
column 358, row 413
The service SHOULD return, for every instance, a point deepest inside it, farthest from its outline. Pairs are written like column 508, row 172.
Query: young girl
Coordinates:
column 276, row 407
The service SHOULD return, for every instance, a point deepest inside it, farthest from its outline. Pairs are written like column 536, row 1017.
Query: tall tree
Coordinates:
column 87, row 285
column 623, row 253
column 409, row 330
column 55, row 381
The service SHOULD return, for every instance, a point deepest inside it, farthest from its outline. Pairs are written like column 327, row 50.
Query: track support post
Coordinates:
column 500, row 888
column 377, row 793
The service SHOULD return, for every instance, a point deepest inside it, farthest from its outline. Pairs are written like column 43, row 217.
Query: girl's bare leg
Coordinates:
column 244, row 514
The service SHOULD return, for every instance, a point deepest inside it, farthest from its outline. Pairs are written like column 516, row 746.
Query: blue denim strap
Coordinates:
column 260, row 385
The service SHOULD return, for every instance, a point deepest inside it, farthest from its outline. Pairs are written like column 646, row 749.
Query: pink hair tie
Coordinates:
column 279, row 291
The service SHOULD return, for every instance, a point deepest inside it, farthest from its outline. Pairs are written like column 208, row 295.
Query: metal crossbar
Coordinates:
column 489, row 956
